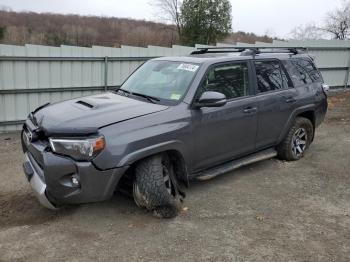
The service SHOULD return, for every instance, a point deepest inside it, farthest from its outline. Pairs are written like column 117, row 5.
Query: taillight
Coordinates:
column 325, row 88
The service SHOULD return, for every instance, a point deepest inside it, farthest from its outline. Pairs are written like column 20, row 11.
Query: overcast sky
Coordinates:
column 259, row 16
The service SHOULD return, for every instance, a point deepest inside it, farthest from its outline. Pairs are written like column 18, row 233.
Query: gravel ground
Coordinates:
column 268, row 211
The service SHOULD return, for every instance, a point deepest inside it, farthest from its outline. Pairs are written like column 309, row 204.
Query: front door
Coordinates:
column 227, row 132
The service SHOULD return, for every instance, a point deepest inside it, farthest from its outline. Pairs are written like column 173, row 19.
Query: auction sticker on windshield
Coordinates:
column 175, row 96
column 188, row 67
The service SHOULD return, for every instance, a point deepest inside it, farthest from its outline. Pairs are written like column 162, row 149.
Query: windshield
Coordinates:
column 165, row 80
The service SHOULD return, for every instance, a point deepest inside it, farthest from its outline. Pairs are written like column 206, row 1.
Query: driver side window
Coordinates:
column 229, row 79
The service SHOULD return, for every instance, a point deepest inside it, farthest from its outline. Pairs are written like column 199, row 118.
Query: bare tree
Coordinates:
column 169, row 11
column 55, row 29
column 338, row 22
column 306, row 32
column 270, row 32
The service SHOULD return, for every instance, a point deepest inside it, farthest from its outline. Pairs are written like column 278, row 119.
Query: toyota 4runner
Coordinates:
column 175, row 119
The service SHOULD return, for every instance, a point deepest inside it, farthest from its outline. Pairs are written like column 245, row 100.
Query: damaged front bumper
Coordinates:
column 58, row 180
column 36, row 182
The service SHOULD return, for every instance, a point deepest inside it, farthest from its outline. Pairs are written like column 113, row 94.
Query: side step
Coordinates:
column 229, row 166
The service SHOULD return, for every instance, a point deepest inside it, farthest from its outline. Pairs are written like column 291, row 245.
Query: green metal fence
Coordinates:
column 32, row 75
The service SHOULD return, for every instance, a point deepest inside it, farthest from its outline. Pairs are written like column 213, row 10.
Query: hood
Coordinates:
column 86, row 115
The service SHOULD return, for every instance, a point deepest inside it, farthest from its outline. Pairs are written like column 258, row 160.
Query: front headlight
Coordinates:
column 79, row 149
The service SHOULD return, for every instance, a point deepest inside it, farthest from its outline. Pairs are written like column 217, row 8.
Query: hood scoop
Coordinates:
column 84, row 103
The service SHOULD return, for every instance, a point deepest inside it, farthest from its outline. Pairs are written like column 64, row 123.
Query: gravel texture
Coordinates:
column 268, row 211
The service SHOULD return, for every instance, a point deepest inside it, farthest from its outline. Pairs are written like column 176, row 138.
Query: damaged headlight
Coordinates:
column 79, row 149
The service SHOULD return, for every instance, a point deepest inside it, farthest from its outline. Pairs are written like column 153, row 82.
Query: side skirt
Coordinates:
column 229, row 166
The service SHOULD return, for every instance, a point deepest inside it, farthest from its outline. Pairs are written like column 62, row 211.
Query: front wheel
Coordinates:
column 155, row 186
column 297, row 140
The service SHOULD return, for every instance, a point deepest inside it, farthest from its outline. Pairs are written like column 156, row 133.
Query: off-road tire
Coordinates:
column 150, row 190
column 285, row 148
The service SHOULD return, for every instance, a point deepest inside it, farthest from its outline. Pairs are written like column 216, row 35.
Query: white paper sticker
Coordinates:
column 188, row 67
column 175, row 96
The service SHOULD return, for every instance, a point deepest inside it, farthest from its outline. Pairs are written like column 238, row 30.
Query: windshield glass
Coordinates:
column 165, row 80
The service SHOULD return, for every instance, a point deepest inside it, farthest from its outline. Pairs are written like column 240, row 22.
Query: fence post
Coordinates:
column 106, row 74
column 346, row 80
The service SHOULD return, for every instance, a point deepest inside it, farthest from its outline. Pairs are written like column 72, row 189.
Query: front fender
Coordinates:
column 152, row 150
column 135, row 139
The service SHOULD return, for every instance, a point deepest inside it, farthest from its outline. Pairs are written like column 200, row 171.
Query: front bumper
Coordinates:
column 50, row 177
column 37, row 184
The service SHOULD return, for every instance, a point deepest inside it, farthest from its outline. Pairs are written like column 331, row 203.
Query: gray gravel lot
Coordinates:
column 269, row 211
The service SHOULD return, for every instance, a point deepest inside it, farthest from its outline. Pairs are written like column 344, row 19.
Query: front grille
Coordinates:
column 35, row 142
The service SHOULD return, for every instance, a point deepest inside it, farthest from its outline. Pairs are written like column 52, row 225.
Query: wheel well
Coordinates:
column 179, row 165
column 309, row 115
column 125, row 182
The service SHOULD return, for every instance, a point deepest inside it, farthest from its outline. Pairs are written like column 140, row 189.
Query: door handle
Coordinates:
column 291, row 100
column 250, row 110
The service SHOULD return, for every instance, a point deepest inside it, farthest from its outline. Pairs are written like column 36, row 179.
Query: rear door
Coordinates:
column 226, row 132
column 276, row 100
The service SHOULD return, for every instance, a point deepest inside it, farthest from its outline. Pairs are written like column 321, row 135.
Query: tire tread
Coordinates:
column 149, row 186
column 284, row 149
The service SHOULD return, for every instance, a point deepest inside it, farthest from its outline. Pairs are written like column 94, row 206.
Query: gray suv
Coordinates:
column 173, row 120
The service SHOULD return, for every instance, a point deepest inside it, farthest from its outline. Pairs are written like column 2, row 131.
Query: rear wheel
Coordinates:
column 156, row 188
column 297, row 140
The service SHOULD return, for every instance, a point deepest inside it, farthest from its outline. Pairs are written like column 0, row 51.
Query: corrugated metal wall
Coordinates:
column 331, row 56
column 32, row 75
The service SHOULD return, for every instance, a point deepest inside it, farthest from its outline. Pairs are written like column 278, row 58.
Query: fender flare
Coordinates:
column 292, row 118
column 172, row 145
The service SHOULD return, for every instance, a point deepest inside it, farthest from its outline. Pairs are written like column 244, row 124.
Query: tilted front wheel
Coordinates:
column 297, row 140
column 156, row 187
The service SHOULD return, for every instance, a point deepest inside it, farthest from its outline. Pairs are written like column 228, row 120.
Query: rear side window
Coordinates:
column 229, row 79
column 305, row 66
column 270, row 76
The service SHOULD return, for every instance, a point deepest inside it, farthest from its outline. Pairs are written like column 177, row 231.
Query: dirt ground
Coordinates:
column 269, row 211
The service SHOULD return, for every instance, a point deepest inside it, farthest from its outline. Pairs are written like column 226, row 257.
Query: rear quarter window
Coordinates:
column 308, row 67
column 302, row 71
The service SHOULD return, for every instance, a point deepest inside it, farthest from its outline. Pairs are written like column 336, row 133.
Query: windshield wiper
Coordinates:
column 123, row 90
column 151, row 99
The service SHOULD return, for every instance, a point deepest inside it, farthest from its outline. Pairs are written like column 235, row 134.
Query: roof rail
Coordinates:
column 205, row 50
column 250, row 50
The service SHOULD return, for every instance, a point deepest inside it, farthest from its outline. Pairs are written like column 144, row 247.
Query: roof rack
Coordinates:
column 249, row 50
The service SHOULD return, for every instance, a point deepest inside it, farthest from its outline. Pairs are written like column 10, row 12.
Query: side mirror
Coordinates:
column 211, row 99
